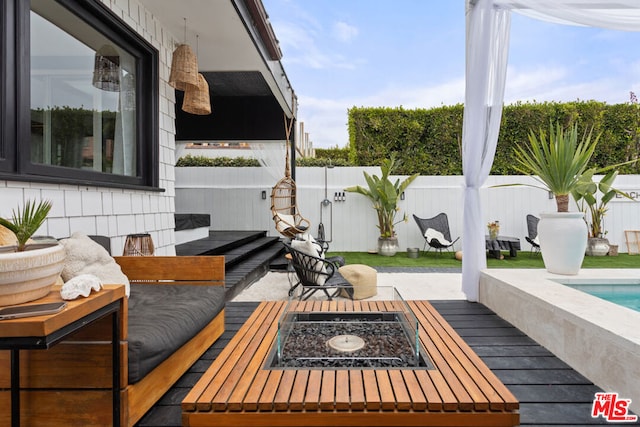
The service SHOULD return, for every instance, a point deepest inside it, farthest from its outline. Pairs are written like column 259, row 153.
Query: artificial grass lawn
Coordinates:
column 446, row 259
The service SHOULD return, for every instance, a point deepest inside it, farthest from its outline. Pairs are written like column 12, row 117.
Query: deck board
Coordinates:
column 536, row 401
column 461, row 390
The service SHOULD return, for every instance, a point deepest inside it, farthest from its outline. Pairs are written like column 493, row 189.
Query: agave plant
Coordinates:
column 557, row 160
column 384, row 195
column 26, row 222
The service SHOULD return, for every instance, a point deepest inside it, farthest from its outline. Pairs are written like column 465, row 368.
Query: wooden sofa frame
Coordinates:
column 70, row 383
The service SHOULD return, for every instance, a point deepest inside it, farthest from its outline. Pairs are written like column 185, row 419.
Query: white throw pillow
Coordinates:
column 536, row 241
column 84, row 256
column 288, row 219
column 318, row 246
column 431, row 234
column 308, row 247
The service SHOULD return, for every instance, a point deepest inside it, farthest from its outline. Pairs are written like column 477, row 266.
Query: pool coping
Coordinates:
column 599, row 339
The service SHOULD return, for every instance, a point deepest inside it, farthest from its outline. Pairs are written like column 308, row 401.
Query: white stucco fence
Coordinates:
column 233, row 198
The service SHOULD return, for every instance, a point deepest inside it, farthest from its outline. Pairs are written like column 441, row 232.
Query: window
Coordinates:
column 7, row 87
column 81, row 86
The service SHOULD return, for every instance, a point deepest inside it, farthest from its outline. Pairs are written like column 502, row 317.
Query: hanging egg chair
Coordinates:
column 284, row 209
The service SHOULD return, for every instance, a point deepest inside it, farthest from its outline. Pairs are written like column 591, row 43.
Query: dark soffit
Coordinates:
column 237, row 83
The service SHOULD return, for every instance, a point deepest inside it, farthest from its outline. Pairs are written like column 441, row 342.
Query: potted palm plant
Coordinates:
column 384, row 196
column 557, row 160
column 28, row 270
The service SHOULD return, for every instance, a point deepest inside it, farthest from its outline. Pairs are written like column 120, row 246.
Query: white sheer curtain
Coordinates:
column 487, row 45
column 124, row 150
column 271, row 155
column 621, row 15
column 486, row 67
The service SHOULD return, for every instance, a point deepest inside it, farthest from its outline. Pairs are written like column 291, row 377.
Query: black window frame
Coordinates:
column 7, row 86
column 15, row 110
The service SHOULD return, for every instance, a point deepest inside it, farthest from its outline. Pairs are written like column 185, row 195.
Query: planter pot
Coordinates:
column 413, row 252
column 29, row 275
column 387, row 246
column 597, row 246
column 563, row 241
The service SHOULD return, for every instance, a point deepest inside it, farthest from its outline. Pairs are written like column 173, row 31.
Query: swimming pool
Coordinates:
column 624, row 294
column 568, row 321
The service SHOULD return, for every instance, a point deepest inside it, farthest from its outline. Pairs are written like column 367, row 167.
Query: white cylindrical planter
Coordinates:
column 29, row 275
column 563, row 240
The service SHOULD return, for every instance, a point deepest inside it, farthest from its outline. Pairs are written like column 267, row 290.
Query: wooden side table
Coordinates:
column 43, row 332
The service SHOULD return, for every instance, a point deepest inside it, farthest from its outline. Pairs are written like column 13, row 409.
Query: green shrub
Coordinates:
column 335, row 154
column 429, row 141
column 203, row 161
column 320, row 162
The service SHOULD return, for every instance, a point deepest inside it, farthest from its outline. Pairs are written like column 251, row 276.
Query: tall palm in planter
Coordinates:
column 558, row 160
column 384, row 196
column 28, row 271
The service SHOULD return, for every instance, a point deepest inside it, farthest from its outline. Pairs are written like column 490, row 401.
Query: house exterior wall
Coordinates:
column 116, row 212
column 233, row 198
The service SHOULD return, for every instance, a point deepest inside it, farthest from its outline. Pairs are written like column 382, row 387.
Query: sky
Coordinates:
column 340, row 54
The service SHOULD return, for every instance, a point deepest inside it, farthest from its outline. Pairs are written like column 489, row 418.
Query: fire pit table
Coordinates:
column 279, row 371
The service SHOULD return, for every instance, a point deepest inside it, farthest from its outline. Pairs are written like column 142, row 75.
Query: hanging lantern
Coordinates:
column 196, row 99
column 184, row 68
column 106, row 69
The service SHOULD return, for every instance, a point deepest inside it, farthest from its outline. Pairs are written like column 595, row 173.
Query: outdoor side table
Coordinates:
column 43, row 332
column 504, row 243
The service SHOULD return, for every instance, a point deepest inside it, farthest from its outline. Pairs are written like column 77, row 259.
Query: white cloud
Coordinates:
column 561, row 84
column 344, row 32
column 299, row 44
column 326, row 119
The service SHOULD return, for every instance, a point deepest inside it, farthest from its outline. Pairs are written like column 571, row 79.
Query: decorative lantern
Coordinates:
column 138, row 245
column 196, row 99
column 106, row 69
column 184, row 68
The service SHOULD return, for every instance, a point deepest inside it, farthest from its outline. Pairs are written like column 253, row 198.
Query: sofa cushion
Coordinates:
column 164, row 317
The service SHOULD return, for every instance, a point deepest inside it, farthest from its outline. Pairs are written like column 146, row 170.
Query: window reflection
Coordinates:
column 83, row 95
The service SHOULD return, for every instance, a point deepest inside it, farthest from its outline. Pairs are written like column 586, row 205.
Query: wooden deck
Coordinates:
column 238, row 390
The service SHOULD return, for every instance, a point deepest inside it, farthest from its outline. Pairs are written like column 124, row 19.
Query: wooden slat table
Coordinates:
column 237, row 390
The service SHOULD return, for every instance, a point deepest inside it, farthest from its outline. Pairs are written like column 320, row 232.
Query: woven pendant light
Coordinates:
column 184, row 68
column 106, row 69
column 196, row 99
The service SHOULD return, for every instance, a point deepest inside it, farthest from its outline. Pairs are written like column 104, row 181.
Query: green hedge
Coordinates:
column 320, row 161
column 204, row 161
column 336, row 155
column 429, row 141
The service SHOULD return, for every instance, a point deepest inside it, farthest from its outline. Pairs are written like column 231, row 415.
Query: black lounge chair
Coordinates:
column 532, row 231
column 438, row 225
column 315, row 274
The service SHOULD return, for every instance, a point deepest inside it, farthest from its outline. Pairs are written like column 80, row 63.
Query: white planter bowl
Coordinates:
column 563, row 240
column 29, row 275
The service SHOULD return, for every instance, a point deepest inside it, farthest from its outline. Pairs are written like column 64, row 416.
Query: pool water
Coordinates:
column 626, row 295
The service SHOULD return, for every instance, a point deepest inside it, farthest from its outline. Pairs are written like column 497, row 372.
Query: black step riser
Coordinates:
column 248, row 255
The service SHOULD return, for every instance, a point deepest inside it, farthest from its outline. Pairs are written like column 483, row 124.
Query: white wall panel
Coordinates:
column 235, row 204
